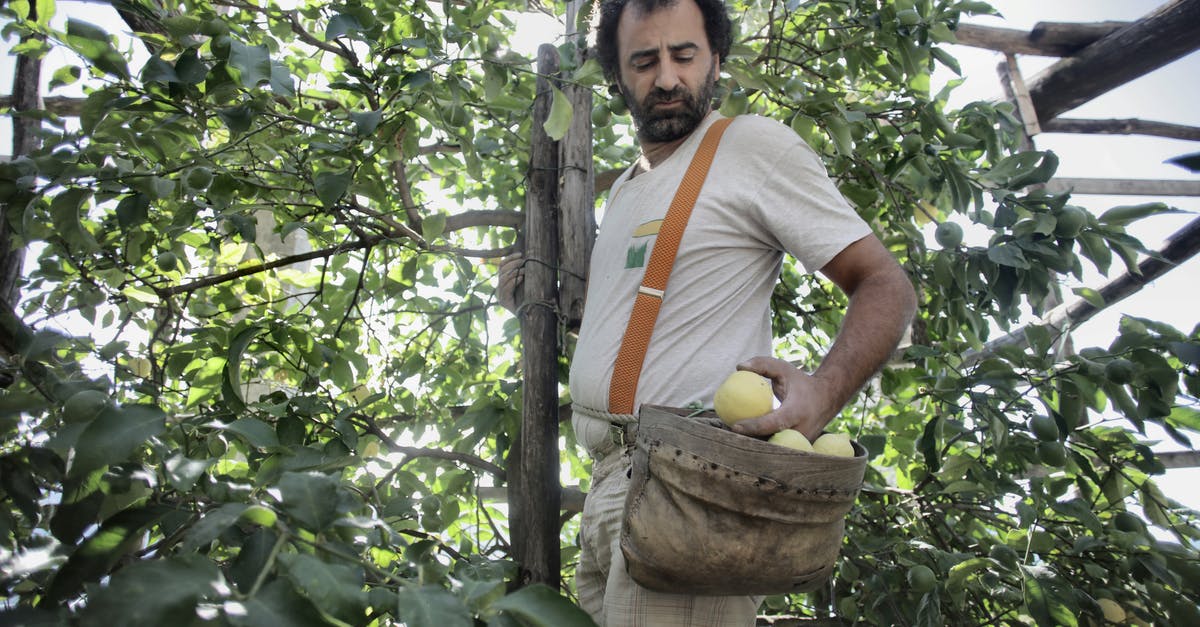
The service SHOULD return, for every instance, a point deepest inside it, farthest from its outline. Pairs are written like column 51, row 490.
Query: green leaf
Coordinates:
column 162, row 591
column 232, row 374
column 1008, row 254
column 1093, row 297
column 253, row 63
column 93, row 43
column 276, row 605
column 103, row 550
column 1127, row 214
column 334, row 588
column 157, row 70
column 183, row 472
column 114, row 436
column 541, row 606
column 311, row 498
column 1189, row 162
column 258, row 433
column 1045, row 599
column 332, row 185
column 190, row 69
column 238, row 118
column 433, row 226
column 559, row 120
column 365, row 122
column 432, row 605
column 213, row 524
column 66, row 212
column 340, row 25
column 960, row 572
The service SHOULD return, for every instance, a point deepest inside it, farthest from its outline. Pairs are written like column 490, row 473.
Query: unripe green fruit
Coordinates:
column 1120, row 371
column 1004, row 554
column 198, row 178
column 948, row 235
column 214, row 27
column 259, row 515
column 166, row 261
column 254, row 285
column 601, row 115
column 1069, row 222
column 617, row 105
column 1044, row 428
column 921, row 578
column 83, row 406
column 911, row 144
column 1052, row 454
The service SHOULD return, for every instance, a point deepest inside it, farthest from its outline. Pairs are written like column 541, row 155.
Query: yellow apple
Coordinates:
column 792, row 439
column 836, row 444
column 1113, row 612
column 743, row 395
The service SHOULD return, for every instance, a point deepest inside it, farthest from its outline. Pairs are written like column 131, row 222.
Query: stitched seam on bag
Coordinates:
column 766, row 484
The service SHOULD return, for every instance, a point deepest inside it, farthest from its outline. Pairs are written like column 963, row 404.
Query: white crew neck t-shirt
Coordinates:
column 766, row 194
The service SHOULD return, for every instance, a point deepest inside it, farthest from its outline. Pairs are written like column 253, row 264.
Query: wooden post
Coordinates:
column 577, row 230
column 535, row 492
column 26, row 96
column 1155, row 40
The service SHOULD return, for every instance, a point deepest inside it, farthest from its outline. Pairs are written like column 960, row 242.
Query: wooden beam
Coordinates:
column 1181, row 246
column 1123, row 187
column 1162, row 36
column 534, row 469
column 1072, row 37
column 1126, row 126
column 1048, row 39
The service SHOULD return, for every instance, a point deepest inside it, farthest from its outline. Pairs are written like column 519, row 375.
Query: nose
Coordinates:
column 668, row 76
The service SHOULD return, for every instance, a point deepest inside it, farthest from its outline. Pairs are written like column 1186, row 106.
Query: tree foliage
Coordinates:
column 276, row 234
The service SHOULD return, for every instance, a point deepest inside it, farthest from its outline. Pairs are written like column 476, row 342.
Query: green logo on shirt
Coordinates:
column 635, row 257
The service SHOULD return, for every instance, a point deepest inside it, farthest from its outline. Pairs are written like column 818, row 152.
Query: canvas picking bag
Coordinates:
column 713, row 512
column 710, row 511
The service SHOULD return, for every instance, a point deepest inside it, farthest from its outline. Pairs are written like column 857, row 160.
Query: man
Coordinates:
column 766, row 194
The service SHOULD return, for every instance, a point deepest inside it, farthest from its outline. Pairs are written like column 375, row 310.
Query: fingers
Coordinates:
column 763, row 426
column 777, row 370
column 511, row 276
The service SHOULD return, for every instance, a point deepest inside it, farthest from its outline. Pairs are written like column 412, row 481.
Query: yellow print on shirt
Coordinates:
column 635, row 257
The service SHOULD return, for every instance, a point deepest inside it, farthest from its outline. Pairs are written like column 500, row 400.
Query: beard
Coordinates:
column 667, row 125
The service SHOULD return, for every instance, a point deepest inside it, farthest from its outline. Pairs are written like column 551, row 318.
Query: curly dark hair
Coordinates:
column 608, row 14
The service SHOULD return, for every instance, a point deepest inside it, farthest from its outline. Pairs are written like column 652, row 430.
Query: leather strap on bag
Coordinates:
column 628, row 369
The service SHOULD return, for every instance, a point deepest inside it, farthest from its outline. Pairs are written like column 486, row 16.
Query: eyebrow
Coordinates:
column 653, row 52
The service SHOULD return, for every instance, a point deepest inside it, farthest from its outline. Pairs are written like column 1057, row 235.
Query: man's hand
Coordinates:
column 804, row 403
column 512, row 279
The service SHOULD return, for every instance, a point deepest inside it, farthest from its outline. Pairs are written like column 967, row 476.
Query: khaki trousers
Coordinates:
column 608, row 593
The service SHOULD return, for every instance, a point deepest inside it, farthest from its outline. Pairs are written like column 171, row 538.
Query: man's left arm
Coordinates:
column 882, row 304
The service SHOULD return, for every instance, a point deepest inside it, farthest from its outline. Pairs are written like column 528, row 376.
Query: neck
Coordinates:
column 654, row 153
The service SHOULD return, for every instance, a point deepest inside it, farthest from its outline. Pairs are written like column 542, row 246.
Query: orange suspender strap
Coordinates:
column 632, row 355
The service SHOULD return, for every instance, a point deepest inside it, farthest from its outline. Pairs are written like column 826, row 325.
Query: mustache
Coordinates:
column 659, row 95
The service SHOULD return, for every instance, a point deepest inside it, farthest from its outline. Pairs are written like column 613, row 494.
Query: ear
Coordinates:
column 716, row 67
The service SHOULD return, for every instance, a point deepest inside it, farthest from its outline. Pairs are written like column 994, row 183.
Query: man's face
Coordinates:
column 668, row 70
